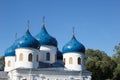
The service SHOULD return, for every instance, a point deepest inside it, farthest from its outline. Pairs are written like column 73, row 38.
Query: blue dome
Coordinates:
column 45, row 39
column 27, row 41
column 11, row 50
column 73, row 46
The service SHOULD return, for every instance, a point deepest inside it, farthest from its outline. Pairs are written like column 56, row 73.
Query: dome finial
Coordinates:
column 43, row 20
column 73, row 30
column 73, row 34
column 16, row 36
column 28, row 23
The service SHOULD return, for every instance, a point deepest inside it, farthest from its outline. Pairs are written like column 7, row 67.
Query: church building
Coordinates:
column 38, row 58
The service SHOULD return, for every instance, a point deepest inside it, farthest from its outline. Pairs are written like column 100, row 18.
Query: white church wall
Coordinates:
column 74, row 65
column 46, row 77
column 25, row 63
column 9, row 63
column 48, row 49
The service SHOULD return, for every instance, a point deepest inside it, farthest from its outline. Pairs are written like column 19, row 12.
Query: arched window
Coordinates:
column 64, row 60
column 21, row 57
column 37, row 58
column 30, row 57
column 9, row 63
column 48, row 56
column 70, row 60
column 79, row 60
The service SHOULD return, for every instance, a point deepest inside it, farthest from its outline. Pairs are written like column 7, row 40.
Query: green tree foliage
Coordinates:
column 2, row 63
column 99, row 64
column 117, row 73
column 116, row 58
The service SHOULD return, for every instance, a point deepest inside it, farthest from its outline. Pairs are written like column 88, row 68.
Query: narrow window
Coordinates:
column 70, row 60
column 9, row 63
column 55, row 57
column 37, row 58
column 21, row 57
column 64, row 60
column 30, row 57
column 15, row 58
column 48, row 56
column 79, row 60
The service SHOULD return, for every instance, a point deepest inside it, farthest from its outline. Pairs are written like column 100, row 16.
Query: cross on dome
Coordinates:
column 28, row 26
column 43, row 19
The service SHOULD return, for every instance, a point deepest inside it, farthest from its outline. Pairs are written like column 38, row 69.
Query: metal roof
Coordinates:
column 44, row 38
column 73, row 46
